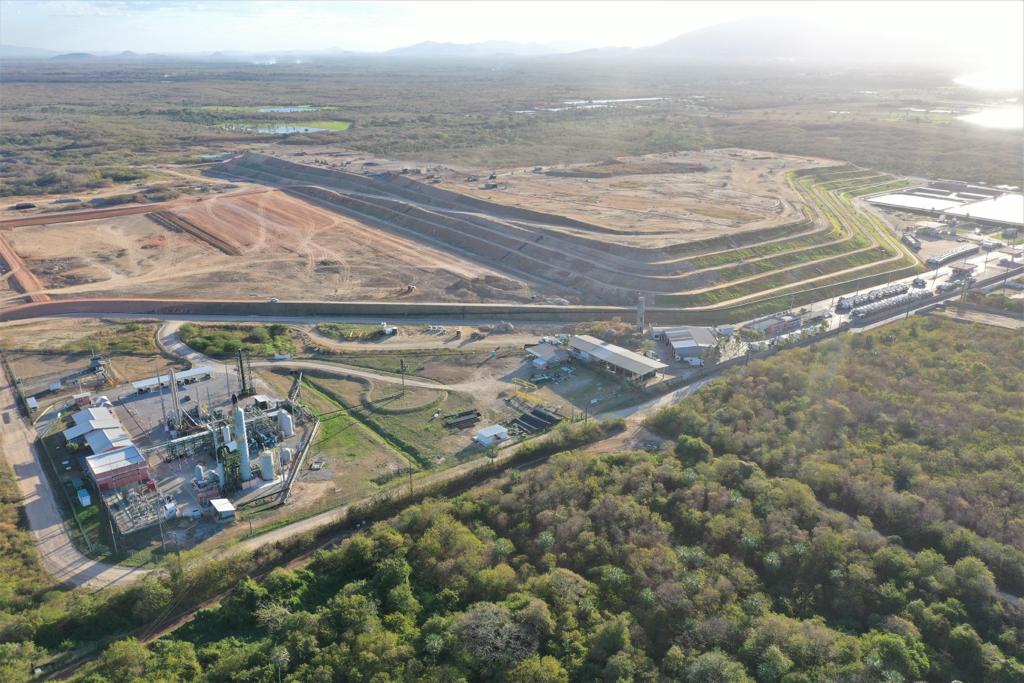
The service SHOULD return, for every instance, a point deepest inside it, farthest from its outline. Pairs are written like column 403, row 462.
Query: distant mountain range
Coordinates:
column 768, row 40
column 488, row 48
column 18, row 52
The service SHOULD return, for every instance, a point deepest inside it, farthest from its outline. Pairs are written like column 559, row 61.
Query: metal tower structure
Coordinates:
column 245, row 375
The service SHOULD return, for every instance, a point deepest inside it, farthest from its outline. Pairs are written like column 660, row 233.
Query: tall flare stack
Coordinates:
column 242, row 441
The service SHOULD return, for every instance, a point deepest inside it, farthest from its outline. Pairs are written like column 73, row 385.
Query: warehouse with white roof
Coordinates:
column 616, row 359
column 115, row 461
column 89, row 420
column 687, row 341
column 117, row 468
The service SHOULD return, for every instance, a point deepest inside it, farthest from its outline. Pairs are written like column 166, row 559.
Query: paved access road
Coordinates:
column 57, row 553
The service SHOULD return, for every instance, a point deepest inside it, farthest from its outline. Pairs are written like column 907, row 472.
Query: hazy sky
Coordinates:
column 990, row 29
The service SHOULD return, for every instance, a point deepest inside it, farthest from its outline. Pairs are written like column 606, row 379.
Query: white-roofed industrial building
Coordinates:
column 1000, row 206
column 488, row 436
column 115, row 461
column 183, row 377
column 614, row 358
column 223, row 508
column 117, row 468
column 103, row 440
column 88, row 420
column 546, row 354
column 687, row 341
column 1006, row 210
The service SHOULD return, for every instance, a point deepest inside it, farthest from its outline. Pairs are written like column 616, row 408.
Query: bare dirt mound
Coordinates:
column 173, row 222
column 550, row 250
column 619, row 167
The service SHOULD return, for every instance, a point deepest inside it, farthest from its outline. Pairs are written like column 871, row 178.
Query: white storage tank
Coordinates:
column 286, row 423
column 200, row 475
column 225, row 434
column 267, row 465
column 286, row 456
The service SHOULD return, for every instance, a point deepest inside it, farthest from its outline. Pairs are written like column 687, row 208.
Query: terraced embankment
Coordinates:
column 833, row 244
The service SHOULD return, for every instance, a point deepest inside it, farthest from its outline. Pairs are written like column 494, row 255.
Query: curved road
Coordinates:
column 170, row 342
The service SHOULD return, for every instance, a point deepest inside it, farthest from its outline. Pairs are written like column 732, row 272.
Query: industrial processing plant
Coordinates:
column 184, row 447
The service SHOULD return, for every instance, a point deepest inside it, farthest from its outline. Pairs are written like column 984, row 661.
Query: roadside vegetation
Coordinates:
column 221, row 341
column 998, row 301
column 24, row 586
column 56, row 335
column 348, row 331
column 120, row 338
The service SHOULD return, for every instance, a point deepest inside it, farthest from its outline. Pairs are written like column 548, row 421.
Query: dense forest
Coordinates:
column 848, row 512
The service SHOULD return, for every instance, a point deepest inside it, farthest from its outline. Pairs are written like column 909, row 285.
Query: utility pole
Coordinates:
column 163, row 544
column 160, row 391
column 113, row 538
column 401, row 368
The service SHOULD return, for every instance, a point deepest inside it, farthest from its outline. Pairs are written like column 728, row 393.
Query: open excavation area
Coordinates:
column 724, row 229
column 698, row 231
column 656, row 199
column 266, row 244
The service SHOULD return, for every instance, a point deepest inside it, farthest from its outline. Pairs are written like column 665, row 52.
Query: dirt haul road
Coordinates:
column 52, row 217
column 24, row 278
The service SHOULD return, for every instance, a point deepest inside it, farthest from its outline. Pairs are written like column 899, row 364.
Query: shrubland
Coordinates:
column 78, row 127
column 226, row 340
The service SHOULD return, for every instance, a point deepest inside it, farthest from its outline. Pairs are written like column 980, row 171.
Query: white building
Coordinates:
column 687, row 341
column 614, row 358
column 223, row 508
column 489, row 436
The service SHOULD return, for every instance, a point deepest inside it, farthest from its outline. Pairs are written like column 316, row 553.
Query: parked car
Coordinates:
column 919, row 283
